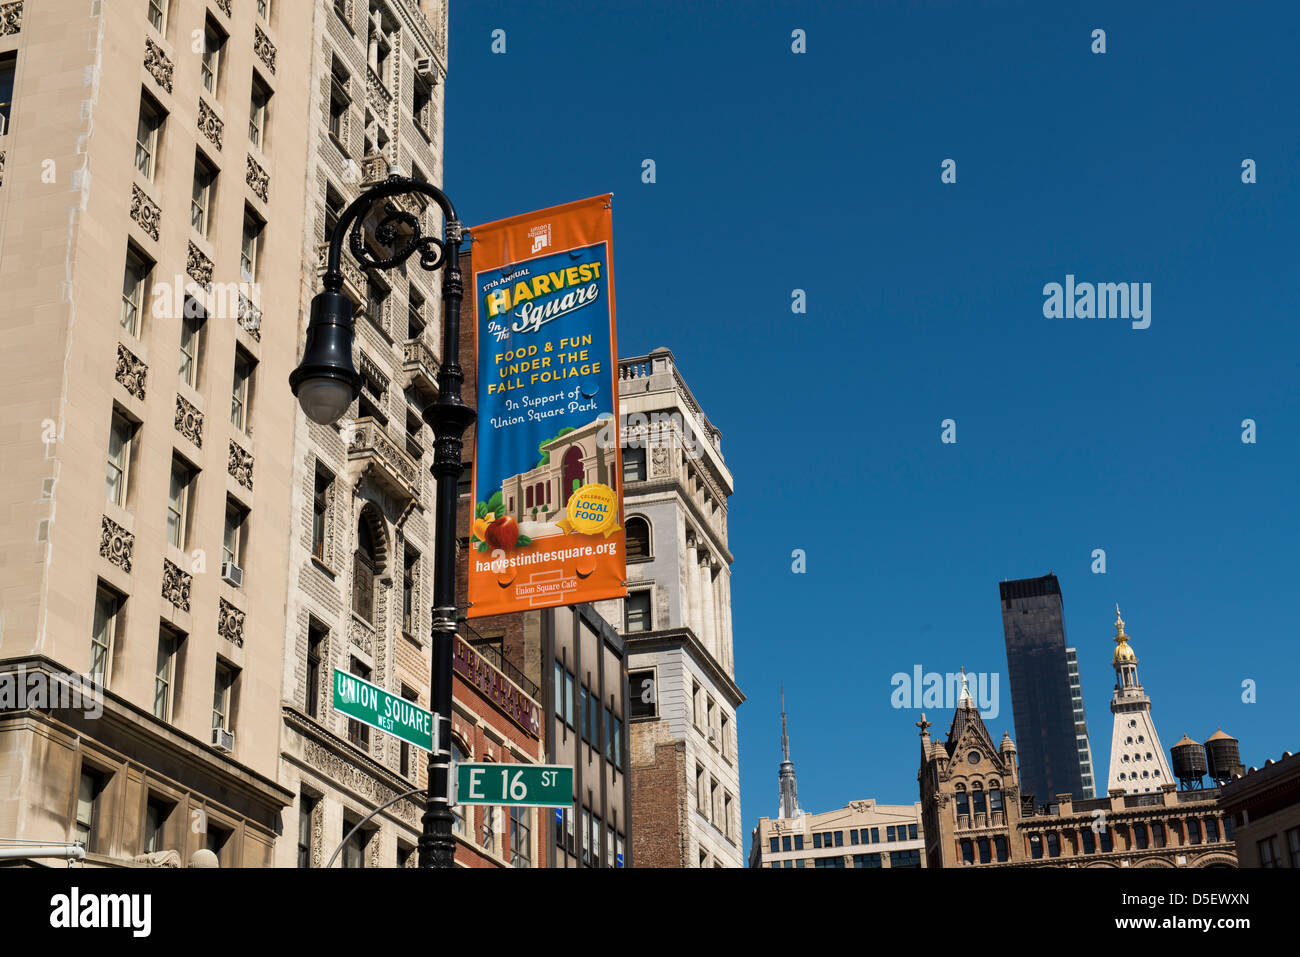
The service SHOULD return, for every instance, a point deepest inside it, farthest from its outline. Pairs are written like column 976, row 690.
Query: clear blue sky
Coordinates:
column 821, row 171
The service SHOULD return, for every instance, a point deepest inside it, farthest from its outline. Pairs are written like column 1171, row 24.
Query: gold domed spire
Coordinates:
column 1123, row 653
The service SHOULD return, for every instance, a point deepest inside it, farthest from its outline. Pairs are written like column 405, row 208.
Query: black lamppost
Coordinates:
column 326, row 383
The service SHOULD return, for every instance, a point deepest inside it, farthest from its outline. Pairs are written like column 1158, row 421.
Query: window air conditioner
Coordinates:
column 232, row 574
column 426, row 68
column 223, row 740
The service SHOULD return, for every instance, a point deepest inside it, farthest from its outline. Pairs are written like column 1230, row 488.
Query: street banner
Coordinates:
column 547, row 523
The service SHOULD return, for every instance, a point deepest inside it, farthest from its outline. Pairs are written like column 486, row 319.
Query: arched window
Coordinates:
column 367, row 564
column 995, row 796
column 977, row 798
column 963, row 802
column 638, row 538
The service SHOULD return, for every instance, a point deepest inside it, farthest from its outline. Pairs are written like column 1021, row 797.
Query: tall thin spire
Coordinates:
column 789, row 789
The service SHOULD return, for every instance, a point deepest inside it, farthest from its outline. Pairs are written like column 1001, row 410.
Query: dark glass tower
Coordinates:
column 1033, row 624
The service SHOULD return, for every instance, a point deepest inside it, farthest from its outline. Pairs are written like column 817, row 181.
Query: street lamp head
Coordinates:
column 325, row 381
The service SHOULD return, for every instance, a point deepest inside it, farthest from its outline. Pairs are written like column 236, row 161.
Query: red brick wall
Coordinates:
column 659, row 808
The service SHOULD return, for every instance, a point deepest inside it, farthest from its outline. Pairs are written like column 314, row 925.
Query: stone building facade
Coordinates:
column 150, row 315
column 864, row 834
column 676, row 622
column 975, row 815
column 361, row 517
column 1264, row 807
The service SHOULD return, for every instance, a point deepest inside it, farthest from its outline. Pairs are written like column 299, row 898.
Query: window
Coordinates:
column 586, row 837
column 205, row 185
column 585, row 730
column 364, row 566
column 865, row 860
column 633, row 465
column 148, row 134
column 251, row 246
column 839, row 838
column 405, row 768
column 216, row 840
column 1211, row 830
column 164, row 679
column 875, row 835
column 638, row 611
column 521, row 847
column 984, row 849
column 458, row 823
column 339, row 103
column 316, row 633
column 828, row 862
column 258, row 113
column 1035, row 846
column 241, row 389
column 775, row 844
column 977, row 799
column 358, row 733
column 158, row 14
column 889, row 833
column 210, row 69
column 1000, row 848
column 1268, row 854
column 222, row 695
column 377, row 302
column 192, row 320
column 178, row 503
column 726, row 817
column 354, row 847
column 108, row 605
column 121, row 435
column 569, row 698
column 967, row 852
column 910, row 858
column 798, row 842
column 320, row 512
column 414, row 434
column 615, row 743
column 641, row 687
column 1140, row 836
column 306, row 806
column 1089, row 841
column 409, row 565
column 232, row 540
column 963, row 803
column 415, row 316
column 156, row 812
column 422, row 108
column 1107, row 842
column 597, row 830
column 1053, row 844
column 817, row 841
column 1293, row 845
column 995, row 798
column 911, row 832
column 89, row 790
column 638, row 538
column 701, row 792
column 1158, row 834
column 135, row 287
column 725, row 736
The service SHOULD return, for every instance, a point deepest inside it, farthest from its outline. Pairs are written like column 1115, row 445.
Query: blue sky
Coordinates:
column 821, row 171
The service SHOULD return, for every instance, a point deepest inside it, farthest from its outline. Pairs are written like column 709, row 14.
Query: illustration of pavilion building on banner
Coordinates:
column 1137, row 762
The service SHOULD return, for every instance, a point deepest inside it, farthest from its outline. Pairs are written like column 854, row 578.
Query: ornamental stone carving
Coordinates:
column 230, row 622
column 210, row 124
column 377, row 96
column 373, row 377
column 131, row 371
column 264, row 48
column 659, row 461
column 116, row 543
column 189, row 421
column 2, row 167
column 358, row 780
column 11, row 18
column 361, row 636
column 158, row 65
column 241, row 465
column 176, row 585
column 198, row 265
column 224, row 6
column 250, row 317
column 158, row 859
column 144, row 211
column 258, row 180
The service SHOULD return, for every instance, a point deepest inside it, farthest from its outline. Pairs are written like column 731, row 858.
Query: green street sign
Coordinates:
column 372, row 705
column 520, row 785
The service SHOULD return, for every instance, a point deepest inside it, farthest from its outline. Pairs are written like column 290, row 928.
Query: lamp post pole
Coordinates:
column 326, row 383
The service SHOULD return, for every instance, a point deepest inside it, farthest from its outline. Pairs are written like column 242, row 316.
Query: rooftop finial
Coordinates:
column 965, row 691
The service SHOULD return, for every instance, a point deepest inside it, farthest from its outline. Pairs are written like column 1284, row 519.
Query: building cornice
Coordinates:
column 673, row 637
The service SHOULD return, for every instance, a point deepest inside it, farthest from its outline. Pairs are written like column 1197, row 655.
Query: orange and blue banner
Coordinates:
column 547, row 523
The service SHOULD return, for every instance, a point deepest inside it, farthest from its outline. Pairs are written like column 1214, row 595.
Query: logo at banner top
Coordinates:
column 593, row 510
column 541, row 237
